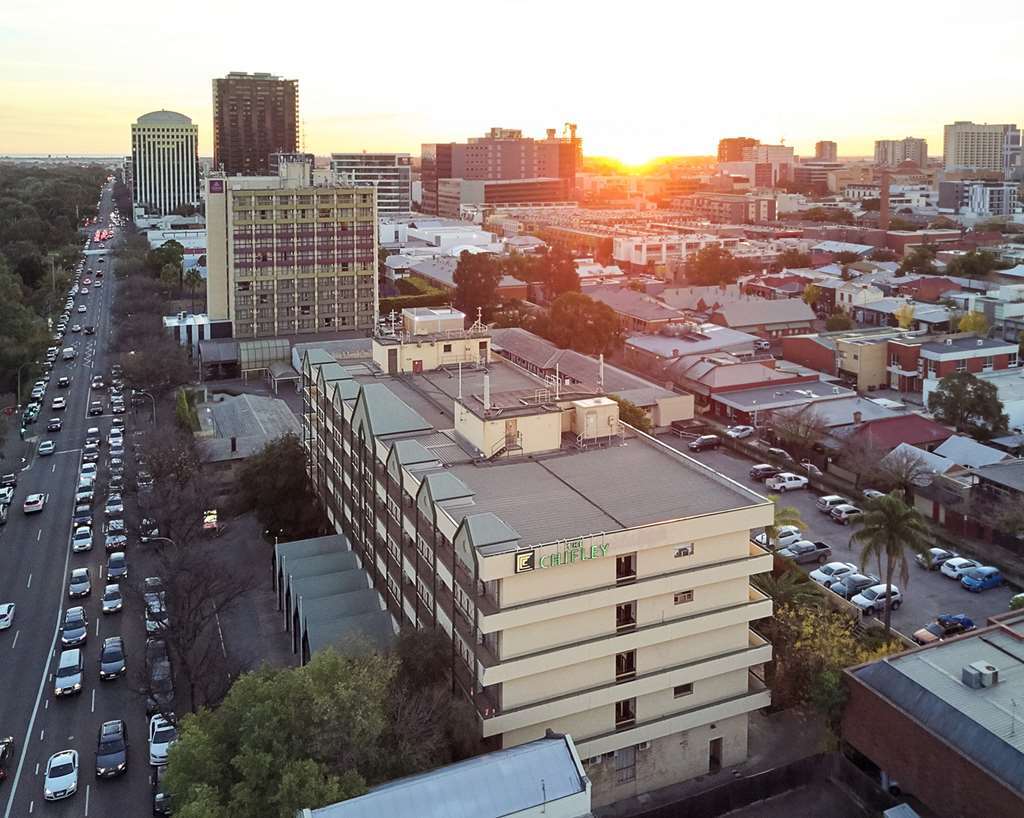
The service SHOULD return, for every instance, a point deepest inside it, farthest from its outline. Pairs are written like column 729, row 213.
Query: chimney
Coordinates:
column 234, row 444
column 487, row 392
column 883, row 202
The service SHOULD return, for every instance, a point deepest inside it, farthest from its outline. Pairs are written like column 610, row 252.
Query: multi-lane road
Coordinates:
column 36, row 561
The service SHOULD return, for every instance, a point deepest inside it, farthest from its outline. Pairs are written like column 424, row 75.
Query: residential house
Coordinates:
column 885, row 434
column 637, row 312
column 886, row 312
column 767, row 319
column 852, row 294
column 929, row 288
column 652, row 353
column 920, row 366
column 752, row 406
column 707, row 376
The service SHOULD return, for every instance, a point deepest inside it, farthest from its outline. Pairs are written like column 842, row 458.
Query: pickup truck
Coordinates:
column 807, row 551
column 786, row 481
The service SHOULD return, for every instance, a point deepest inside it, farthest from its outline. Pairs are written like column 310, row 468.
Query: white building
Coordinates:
column 390, row 173
column 973, row 146
column 165, row 162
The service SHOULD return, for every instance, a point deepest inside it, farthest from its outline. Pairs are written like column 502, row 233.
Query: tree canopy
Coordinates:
column 919, row 261
column 715, row 265
column 969, row 404
column 838, row 321
column 274, row 483
column 476, row 284
column 579, row 322
column 973, row 322
column 973, row 264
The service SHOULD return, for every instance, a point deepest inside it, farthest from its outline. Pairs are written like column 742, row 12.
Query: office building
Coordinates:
column 453, row 195
column 893, row 152
column 389, row 173
column 502, row 153
column 731, row 149
column 982, row 198
column 286, row 256
column 971, row 146
column 826, row 151
column 478, row 496
column 254, row 115
column 164, row 163
column 763, row 165
column 815, row 174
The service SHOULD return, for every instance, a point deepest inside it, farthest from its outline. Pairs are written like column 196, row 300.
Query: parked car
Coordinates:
column 832, row 572
column 762, row 471
column 852, row 584
column 845, row 514
column 739, row 432
column 982, row 578
column 828, row 502
column 114, row 505
column 956, row 567
column 160, row 696
column 111, row 749
column 95, row 408
column 810, row 468
column 162, row 734
column 932, row 559
column 872, row 600
column 161, row 798
column 944, row 626
column 704, row 442
column 803, row 551
column 785, row 536
column 61, row 779
column 872, row 494
column 781, row 454
column 68, row 678
column 786, row 481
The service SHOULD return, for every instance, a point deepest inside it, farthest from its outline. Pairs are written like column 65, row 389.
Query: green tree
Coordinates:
column 883, row 254
column 789, row 588
column 838, row 321
column 811, row 295
column 799, row 430
column 845, row 257
column 274, row 483
column 919, row 261
column 632, row 414
column 973, row 264
column 193, row 280
column 887, row 532
column 968, row 404
column 578, row 322
column 169, row 275
column 973, row 322
column 476, row 284
column 713, row 265
column 561, row 274
column 793, row 259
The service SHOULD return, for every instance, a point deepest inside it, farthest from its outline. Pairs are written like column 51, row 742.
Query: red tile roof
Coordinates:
column 888, row 433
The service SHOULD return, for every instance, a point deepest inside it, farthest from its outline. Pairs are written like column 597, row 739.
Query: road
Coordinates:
column 927, row 594
column 36, row 563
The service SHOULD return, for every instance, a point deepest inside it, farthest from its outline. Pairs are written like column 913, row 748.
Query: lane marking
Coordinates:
column 39, row 535
column 14, row 644
column 97, row 627
column 86, row 799
column 94, row 700
column 29, row 584
column 37, row 768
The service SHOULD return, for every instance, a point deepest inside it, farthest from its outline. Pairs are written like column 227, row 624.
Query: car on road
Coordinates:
column 63, row 382
column 872, row 600
column 116, row 482
column 82, row 515
column 111, row 749
column 803, row 551
column 704, row 442
column 114, row 542
column 91, row 447
column 113, row 600
column 61, row 779
column 90, row 329
column 82, row 307
column 76, row 327
column 786, row 481
column 89, row 470
column 932, row 559
column 944, row 626
column 6, row 615
column 784, row 536
column 80, row 584
column 117, row 566
column 9, row 480
column 59, row 403
column 91, row 457
column 54, row 425
column 162, row 734
column 114, row 505
column 112, row 659
column 81, row 540
column 84, row 496
column 739, row 432
column 95, row 408
column 75, row 629
column 832, row 572
column 982, row 578
column 69, row 676
column 6, row 495
column 33, row 503
column 845, row 514
column 956, row 567
column 46, row 448
column 6, row 754
column 115, row 526
column 97, row 382
column 852, row 584
column 828, row 502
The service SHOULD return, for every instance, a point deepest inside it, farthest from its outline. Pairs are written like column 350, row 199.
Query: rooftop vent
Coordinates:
column 949, row 342
column 980, row 674
column 981, row 342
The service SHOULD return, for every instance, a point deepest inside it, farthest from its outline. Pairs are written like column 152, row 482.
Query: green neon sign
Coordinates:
column 573, row 551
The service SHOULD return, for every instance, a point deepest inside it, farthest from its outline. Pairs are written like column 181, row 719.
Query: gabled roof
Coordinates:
column 966, row 451
column 389, row 414
column 1009, row 474
column 636, row 305
column 758, row 312
column 888, row 433
column 929, row 460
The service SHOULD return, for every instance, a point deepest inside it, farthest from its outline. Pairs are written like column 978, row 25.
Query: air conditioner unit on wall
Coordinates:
column 685, row 550
column 644, row 745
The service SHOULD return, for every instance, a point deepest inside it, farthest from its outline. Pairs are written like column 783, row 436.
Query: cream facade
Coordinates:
column 164, row 163
column 287, row 256
column 591, row 580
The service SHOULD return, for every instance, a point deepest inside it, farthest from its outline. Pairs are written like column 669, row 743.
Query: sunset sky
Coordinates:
column 642, row 79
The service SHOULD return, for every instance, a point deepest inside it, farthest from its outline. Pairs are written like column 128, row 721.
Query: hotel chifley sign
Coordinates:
column 564, row 552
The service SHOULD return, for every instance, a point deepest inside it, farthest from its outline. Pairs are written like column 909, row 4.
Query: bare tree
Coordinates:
column 861, row 457
column 903, row 470
column 799, row 429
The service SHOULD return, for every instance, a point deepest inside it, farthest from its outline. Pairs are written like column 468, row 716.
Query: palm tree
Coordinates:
column 193, row 279
column 784, row 515
column 886, row 531
column 790, row 587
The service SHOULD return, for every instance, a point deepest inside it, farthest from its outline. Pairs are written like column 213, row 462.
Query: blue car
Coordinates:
column 981, row 579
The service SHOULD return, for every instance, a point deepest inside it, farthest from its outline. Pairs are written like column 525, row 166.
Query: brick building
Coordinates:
column 912, row 362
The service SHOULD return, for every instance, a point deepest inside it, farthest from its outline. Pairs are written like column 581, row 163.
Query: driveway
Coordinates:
column 928, row 593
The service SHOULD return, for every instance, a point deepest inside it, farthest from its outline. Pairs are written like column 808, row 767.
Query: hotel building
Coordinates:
column 288, row 256
column 590, row 579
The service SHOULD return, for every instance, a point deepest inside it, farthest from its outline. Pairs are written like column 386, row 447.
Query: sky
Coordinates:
column 641, row 79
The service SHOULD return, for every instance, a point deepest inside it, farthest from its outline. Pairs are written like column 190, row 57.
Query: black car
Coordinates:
column 54, row 425
column 111, row 749
column 112, row 658
column 76, row 627
column 8, row 480
column 96, row 408
column 704, row 442
column 853, row 584
column 82, row 515
column 117, row 566
column 762, row 471
column 63, row 382
column 90, row 329
column 6, row 754
column 161, row 798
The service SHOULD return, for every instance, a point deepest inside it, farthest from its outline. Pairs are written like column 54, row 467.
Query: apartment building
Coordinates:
column 286, row 256
column 730, row 149
column 389, row 173
column 826, row 151
column 455, row 196
column 893, row 152
column 164, row 162
column 973, row 146
column 254, row 115
column 912, row 362
column 731, row 208
column 982, row 198
column 614, row 610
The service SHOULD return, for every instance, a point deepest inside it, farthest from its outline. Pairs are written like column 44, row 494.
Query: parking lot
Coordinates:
column 928, row 593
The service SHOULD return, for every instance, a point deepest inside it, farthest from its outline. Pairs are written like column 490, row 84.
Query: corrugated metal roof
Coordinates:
column 489, row 529
column 297, row 549
column 966, row 451
column 389, row 414
column 506, row 782
column 376, row 628
column 765, row 312
column 412, row 452
column 446, row 486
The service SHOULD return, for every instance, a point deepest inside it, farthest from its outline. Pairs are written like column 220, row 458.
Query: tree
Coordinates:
column 157, row 363
column 838, row 321
column 789, row 588
column 883, row 254
column 784, row 515
column 169, row 275
column 476, row 284
column 579, row 322
column 968, row 404
column 561, row 274
column 632, row 414
column 713, row 265
column 905, row 316
column 792, row 259
column 903, row 471
column 274, row 483
column 193, row 280
column 973, row 264
column 920, row 261
column 811, row 295
column 886, row 531
column 973, row 322
column 799, row 429
column 845, row 257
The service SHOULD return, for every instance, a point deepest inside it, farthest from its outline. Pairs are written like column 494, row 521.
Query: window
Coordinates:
column 1011, row 360
column 625, row 616
column 625, row 714
column 446, row 348
column 681, row 597
column 961, row 366
column 986, row 364
column 625, row 765
column 625, row 666
column 625, row 568
column 682, row 690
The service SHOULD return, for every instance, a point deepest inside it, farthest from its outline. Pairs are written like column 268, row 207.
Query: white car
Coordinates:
column 739, row 432
column 81, row 540
column 61, row 779
column 89, row 470
column 786, row 535
column 59, row 403
column 828, row 502
column 82, row 307
column 6, row 615
column 162, row 734
column 832, row 572
column 6, row 495
column 787, row 481
column 33, row 503
column 958, row 566
column 872, row 600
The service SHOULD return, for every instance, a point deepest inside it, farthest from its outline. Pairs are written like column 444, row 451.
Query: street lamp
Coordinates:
column 27, row 363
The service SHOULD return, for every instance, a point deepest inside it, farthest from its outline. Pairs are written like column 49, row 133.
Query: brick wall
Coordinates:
column 808, row 352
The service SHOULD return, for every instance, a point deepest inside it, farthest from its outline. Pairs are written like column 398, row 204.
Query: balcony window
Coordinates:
column 682, row 690
column 625, row 714
column 625, row 616
column 625, row 666
column 682, row 597
column 625, row 568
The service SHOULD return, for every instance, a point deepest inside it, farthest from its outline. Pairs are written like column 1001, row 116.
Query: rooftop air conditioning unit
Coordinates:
column 979, row 674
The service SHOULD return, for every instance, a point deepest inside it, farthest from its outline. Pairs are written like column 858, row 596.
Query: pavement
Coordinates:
column 36, row 558
column 927, row 594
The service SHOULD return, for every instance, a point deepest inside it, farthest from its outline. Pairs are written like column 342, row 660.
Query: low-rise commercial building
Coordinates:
column 767, row 319
column 615, row 610
column 637, row 312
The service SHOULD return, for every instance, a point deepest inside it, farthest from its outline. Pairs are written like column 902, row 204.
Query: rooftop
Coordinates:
column 1009, row 474
column 841, row 412
column 636, row 305
column 710, row 338
column 965, row 451
column 163, row 118
column 779, row 397
column 442, row 269
column 969, row 344
column 237, row 427
column 843, row 247
column 758, row 312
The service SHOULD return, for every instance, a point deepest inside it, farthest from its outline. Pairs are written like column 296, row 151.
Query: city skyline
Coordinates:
column 629, row 102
